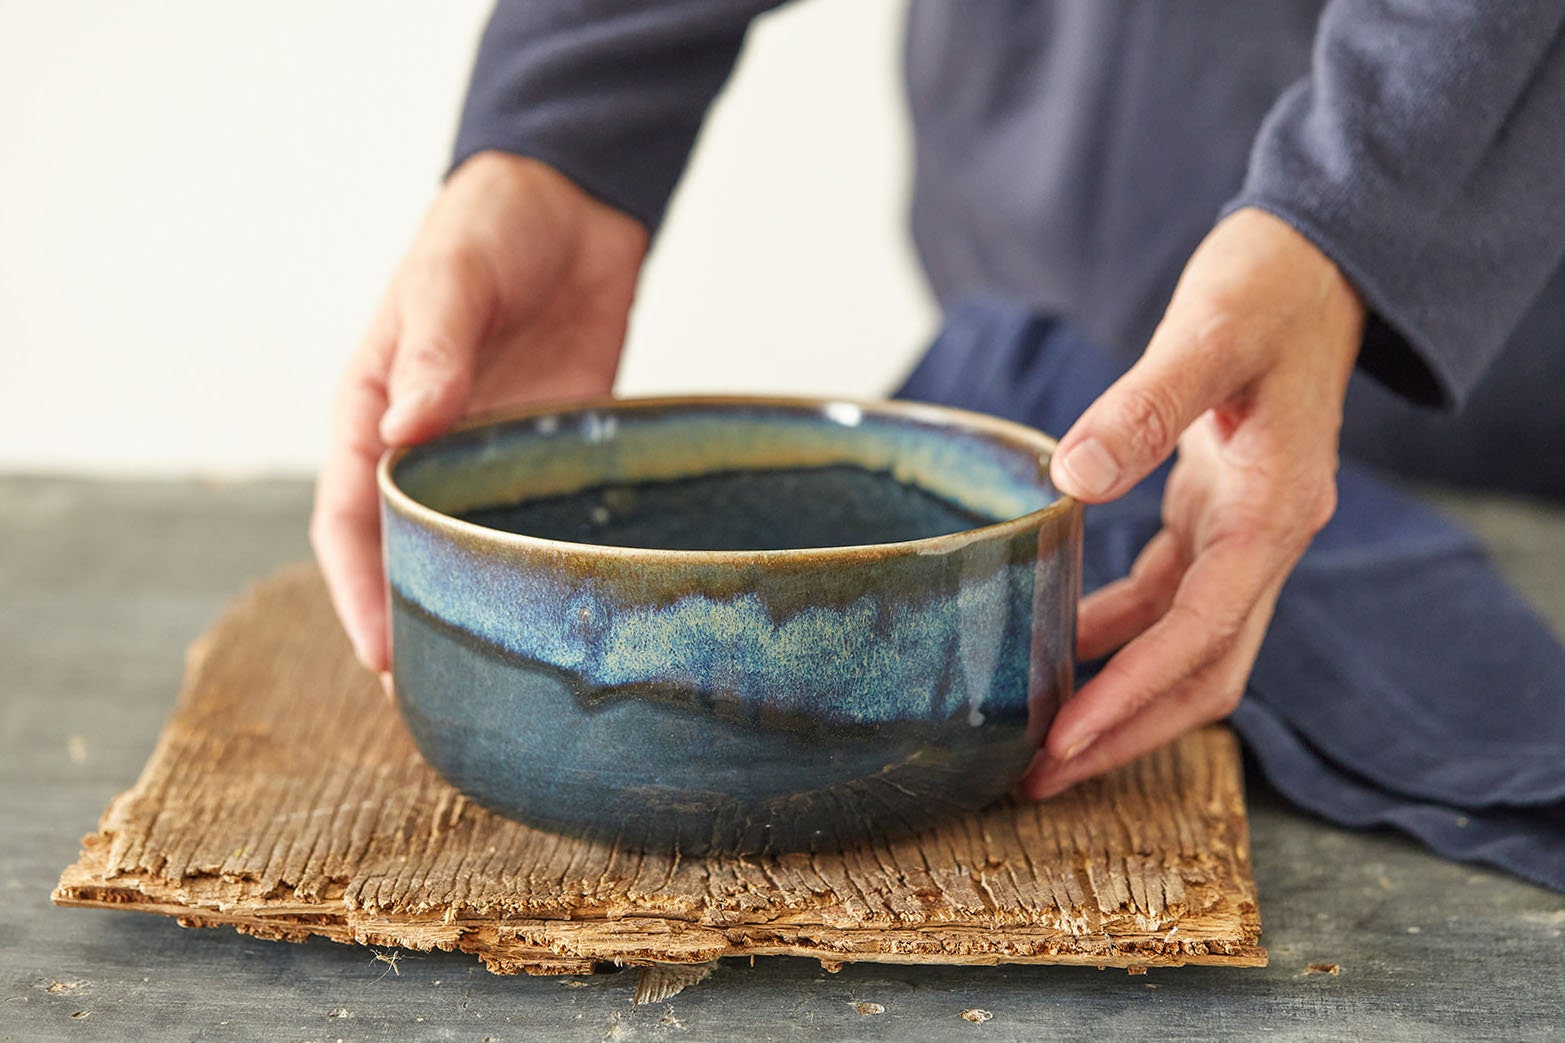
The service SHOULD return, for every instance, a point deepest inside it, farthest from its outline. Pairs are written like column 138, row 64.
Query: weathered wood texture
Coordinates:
column 285, row 799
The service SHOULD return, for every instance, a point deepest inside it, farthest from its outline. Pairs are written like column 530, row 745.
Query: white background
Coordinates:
column 200, row 202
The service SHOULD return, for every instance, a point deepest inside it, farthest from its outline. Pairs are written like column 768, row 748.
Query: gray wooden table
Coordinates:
column 104, row 584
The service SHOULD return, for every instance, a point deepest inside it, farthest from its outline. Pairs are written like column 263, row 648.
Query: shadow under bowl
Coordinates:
column 730, row 624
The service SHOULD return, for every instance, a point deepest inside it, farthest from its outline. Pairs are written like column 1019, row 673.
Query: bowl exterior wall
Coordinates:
column 745, row 703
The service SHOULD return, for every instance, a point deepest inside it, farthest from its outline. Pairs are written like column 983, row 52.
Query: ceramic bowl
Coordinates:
column 730, row 624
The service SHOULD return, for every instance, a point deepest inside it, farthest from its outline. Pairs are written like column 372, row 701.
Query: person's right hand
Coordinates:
column 517, row 288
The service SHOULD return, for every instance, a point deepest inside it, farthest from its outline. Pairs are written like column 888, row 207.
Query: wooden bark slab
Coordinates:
column 285, row 799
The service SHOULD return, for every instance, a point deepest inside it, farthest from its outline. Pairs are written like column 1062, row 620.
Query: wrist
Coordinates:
column 1321, row 291
column 494, row 171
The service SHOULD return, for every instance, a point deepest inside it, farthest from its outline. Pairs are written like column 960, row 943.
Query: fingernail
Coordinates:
column 405, row 409
column 1049, row 782
column 1079, row 746
column 1047, row 787
column 386, row 683
column 1090, row 468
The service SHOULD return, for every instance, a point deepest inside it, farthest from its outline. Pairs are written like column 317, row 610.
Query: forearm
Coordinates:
column 610, row 92
column 1423, row 155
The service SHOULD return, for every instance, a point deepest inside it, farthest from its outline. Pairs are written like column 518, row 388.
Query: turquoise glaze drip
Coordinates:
column 890, row 659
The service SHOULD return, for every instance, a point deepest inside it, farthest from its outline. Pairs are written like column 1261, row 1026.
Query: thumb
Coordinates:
column 1135, row 425
column 445, row 313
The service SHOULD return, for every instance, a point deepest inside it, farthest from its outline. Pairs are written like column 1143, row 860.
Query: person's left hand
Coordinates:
column 1246, row 374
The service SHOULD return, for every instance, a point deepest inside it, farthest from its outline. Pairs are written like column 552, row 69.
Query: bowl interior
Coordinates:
column 733, row 475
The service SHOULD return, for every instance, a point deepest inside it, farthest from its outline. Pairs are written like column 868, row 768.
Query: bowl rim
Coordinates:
column 395, row 498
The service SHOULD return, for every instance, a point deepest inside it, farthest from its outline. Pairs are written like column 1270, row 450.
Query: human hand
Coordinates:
column 517, row 288
column 1246, row 374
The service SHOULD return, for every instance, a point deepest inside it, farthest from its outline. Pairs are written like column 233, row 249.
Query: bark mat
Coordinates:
column 285, row 799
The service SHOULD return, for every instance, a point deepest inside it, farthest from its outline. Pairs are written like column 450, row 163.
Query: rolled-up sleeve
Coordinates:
column 1425, row 154
column 612, row 93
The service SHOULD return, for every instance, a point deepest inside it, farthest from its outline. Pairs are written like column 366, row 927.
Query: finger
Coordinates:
column 1188, row 706
column 1230, row 585
column 345, row 524
column 1209, row 695
column 346, row 537
column 445, row 311
column 1120, row 610
column 1189, row 367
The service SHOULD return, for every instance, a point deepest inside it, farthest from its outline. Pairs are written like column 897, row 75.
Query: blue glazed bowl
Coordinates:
column 731, row 624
